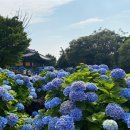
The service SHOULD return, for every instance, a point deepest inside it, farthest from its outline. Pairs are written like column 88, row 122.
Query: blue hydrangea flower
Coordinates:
column 104, row 66
column 95, row 67
column 66, row 107
column 67, row 90
column 48, row 86
column 52, row 122
column 91, row 97
column 77, row 96
column 49, row 68
column 38, row 123
column 7, row 97
column 29, row 84
column 2, row 91
column 95, row 70
column 7, row 87
column 102, row 71
column 6, row 82
column 128, row 81
column 20, row 106
column 78, row 86
column 52, row 103
column 33, row 94
column 26, row 79
column 35, row 113
column 91, row 87
column 105, row 77
column 114, row 110
column 46, row 119
column 57, row 82
column 110, row 125
column 90, row 67
column 19, row 76
column 51, row 74
column 65, row 123
column 76, row 114
column 125, row 93
column 19, row 82
column 27, row 127
column 12, row 119
column 126, row 117
column 118, row 73
column 11, row 75
column 3, row 122
column 62, row 74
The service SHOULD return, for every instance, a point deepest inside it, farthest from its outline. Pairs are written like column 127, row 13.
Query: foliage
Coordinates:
column 13, row 40
column 124, row 55
column 89, row 98
column 52, row 61
column 98, row 48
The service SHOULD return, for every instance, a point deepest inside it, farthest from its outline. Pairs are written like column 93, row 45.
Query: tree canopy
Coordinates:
column 124, row 55
column 52, row 61
column 101, row 47
column 13, row 40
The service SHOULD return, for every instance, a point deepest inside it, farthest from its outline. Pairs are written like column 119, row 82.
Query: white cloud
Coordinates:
column 86, row 22
column 37, row 8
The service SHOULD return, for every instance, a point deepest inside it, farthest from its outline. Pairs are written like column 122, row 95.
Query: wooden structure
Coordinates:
column 32, row 58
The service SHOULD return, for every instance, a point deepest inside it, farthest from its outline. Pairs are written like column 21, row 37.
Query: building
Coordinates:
column 32, row 58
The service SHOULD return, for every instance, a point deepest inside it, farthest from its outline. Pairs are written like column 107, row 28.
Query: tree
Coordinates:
column 98, row 48
column 52, row 61
column 124, row 55
column 13, row 40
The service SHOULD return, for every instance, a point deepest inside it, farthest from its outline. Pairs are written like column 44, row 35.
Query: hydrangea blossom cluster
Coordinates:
column 11, row 75
column 105, row 77
column 62, row 74
column 77, row 91
column 51, row 74
column 102, row 71
column 110, row 125
column 20, row 106
column 6, row 96
column 12, row 119
column 19, row 81
column 67, row 90
column 27, row 127
column 49, row 68
column 3, row 122
column 125, row 93
column 35, row 113
column 52, row 123
column 126, row 119
column 76, row 114
column 91, row 87
column 66, row 107
column 115, row 111
column 118, row 73
column 104, row 66
column 91, row 97
column 55, row 83
column 52, row 103
column 46, row 119
column 38, row 123
column 128, row 81
column 6, row 82
column 65, row 123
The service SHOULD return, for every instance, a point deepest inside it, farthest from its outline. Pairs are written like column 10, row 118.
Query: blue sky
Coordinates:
column 55, row 23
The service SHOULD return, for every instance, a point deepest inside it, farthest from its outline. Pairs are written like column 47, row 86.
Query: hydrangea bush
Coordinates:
column 92, row 97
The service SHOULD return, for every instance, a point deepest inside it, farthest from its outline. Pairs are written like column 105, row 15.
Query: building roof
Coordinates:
column 31, row 52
